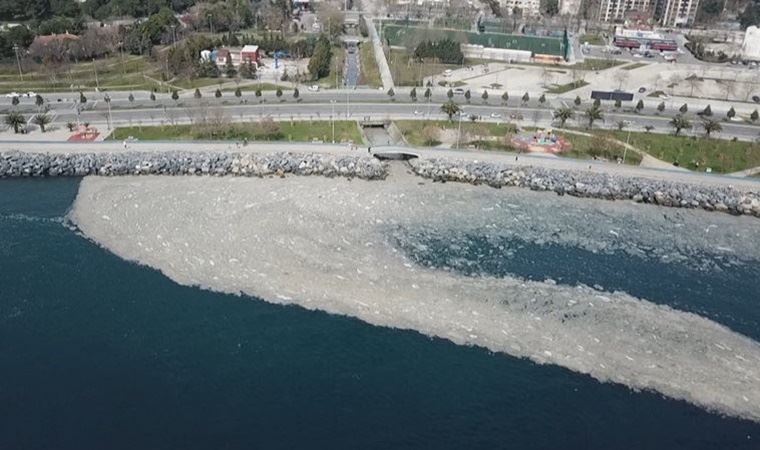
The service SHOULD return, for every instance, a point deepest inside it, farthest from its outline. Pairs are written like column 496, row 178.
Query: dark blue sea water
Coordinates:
column 99, row 353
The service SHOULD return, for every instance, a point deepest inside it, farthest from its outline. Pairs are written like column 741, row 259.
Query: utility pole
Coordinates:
column 18, row 61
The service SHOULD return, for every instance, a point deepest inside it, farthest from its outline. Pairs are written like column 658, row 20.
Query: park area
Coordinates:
column 264, row 130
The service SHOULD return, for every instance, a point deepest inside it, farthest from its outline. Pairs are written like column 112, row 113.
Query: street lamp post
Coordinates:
column 332, row 120
column 459, row 131
column 18, row 61
column 107, row 98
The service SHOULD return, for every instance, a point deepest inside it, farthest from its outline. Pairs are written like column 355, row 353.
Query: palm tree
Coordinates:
column 679, row 123
column 39, row 101
column 711, row 126
column 15, row 119
column 593, row 114
column 564, row 114
column 450, row 108
column 41, row 120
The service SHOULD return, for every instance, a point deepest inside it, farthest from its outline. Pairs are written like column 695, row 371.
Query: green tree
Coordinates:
column 229, row 69
column 550, row 7
column 450, row 109
column 684, row 108
column 618, row 104
column 711, row 126
column 620, row 124
column 278, row 92
column 175, row 95
column 593, row 114
column 707, row 111
column 750, row 15
column 467, row 95
column 661, row 107
column 153, row 96
column 15, row 119
column 577, row 100
column 648, row 128
column 218, row 93
column 14, row 101
column 639, row 106
column 392, row 94
column 258, row 94
column 679, row 123
column 197, row 93
column 450, row 94
column 754, row 116
column 542, row 99
column 131, row 98
column 39, row 101
column 731, row 113
column 525, row 98
column 504, row 98
column 319, row 64
column 238, row 92
column 41, row 120
column 296, row 94
column 597, row 103
column 413, row 94
column 563, row 114
column 428, row 94
column 484, row 96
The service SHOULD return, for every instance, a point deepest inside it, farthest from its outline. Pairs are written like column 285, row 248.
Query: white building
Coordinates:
column 751, row 45
column 615, row 10
column 530, row 8
column 570, row 7
column 678, row 13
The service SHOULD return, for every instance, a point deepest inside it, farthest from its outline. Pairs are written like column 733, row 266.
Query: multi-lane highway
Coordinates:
column 358, row 104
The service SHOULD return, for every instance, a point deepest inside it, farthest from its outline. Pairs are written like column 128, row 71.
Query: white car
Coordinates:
column 495, row 115
column 314, row 88
column 31, row 94
column 417, row 112
column 12, row 94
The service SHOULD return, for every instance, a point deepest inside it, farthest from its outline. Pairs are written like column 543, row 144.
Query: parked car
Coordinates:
column 314, row 88
column 495, row 115
column 459, row 91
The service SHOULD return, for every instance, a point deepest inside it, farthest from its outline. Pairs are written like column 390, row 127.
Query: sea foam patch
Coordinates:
column 325, row 244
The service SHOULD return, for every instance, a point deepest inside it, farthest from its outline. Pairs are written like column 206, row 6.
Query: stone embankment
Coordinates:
column 593, row 185
column 17, row 164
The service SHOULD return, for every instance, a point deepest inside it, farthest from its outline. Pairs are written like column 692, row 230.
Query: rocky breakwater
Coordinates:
column 593, row 185
column 20, row 164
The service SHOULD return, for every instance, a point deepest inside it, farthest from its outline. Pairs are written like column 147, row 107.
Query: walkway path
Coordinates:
column 382, row 63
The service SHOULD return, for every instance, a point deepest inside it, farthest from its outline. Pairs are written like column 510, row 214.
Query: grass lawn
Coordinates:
column 114, row 73
column 597, row 64
column 472, row 133
column 562, row 88
column 592, row 39
column 634, row 66
column 721, row 155
column 370, row 74
column 411, row 73
column 599, row 145
column 296, row 131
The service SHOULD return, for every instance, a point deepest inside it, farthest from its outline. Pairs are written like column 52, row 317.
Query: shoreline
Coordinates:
column 564, row 177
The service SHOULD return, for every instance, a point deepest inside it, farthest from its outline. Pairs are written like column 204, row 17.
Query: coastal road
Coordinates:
column 344, row 109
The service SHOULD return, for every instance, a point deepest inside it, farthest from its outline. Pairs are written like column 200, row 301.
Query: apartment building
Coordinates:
column 528, row 8
column 668, row 13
